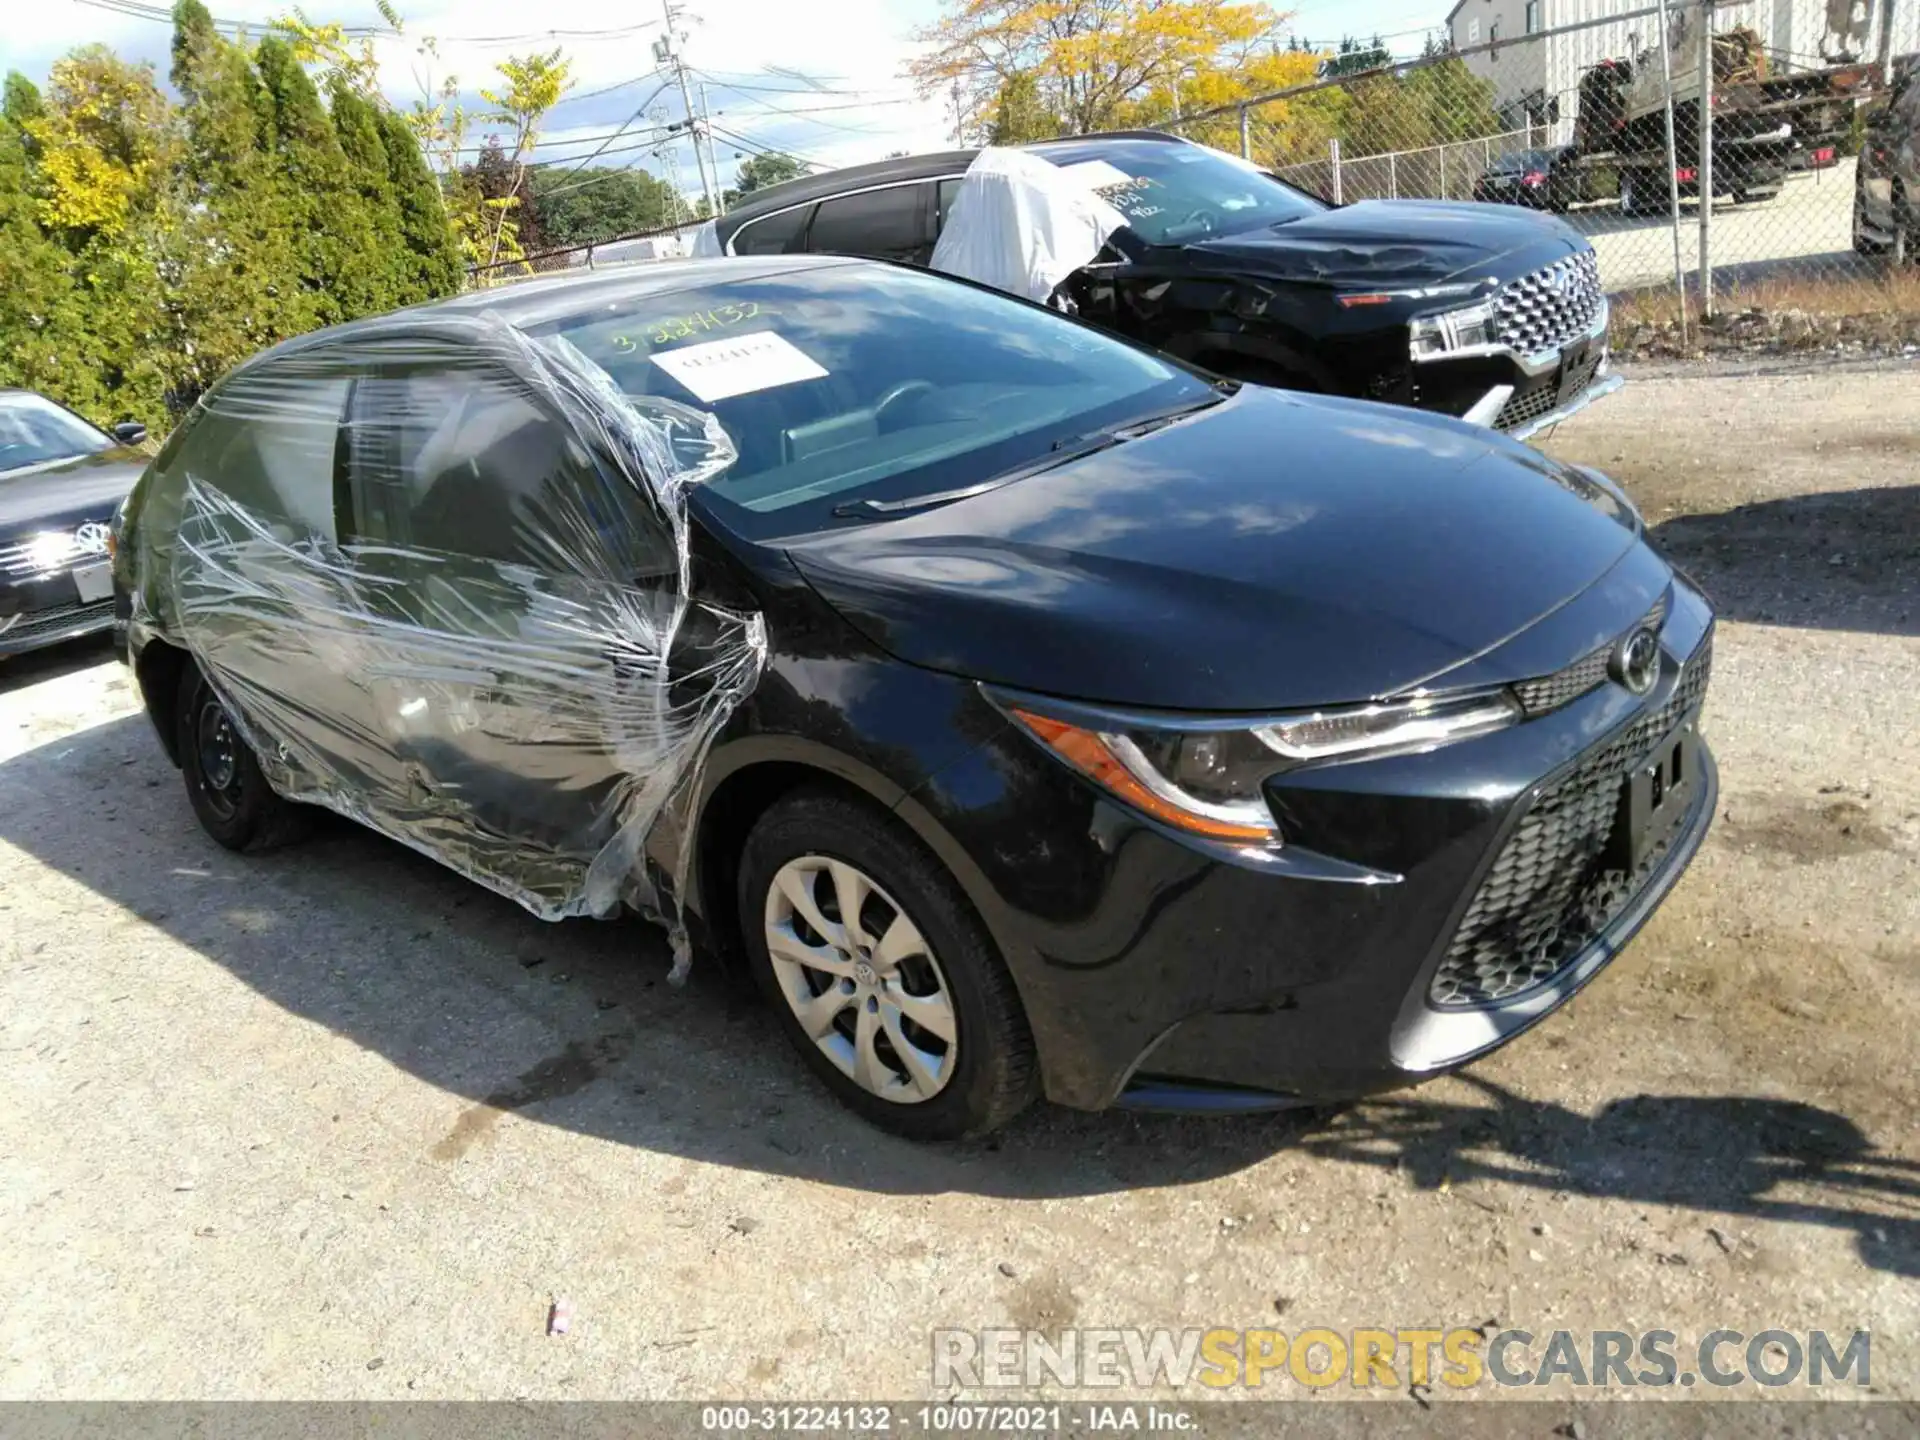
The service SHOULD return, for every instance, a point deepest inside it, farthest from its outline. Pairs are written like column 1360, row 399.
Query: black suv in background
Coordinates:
column 1484, row 312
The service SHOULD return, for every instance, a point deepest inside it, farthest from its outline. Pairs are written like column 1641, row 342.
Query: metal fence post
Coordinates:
column 1333, row 154
column 1704, row 176
column 1246, row 135
column 1393, row 177
column 1443, row 172
column 1673, row 172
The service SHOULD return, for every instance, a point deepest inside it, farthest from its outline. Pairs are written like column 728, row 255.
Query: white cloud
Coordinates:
column 856, row 46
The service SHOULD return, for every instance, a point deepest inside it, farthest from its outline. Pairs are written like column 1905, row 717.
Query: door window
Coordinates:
column 776, row 234
column 267, row 444
column 464, row 462
column 889, row 224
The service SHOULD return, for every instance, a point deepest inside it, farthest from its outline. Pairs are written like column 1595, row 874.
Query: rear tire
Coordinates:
column 225, row 786
column 910, row 1016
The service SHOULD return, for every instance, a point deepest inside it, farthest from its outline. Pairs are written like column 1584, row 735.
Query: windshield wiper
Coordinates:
column 1062, row 452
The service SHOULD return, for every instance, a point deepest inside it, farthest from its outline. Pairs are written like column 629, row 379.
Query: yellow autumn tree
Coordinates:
column 102, row 138
column 1097, row 64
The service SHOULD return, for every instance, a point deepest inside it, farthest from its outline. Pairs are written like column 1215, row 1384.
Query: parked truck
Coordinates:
column 1765, row 124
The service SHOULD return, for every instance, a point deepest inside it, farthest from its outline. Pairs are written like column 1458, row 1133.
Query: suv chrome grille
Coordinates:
column 1551, row 307
column 1549, row 893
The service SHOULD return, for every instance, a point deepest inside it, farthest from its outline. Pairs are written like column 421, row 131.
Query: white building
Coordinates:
column 1536, row 80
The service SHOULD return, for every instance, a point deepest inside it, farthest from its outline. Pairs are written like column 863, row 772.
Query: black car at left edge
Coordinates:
column 1490, row 313
column 61, row 479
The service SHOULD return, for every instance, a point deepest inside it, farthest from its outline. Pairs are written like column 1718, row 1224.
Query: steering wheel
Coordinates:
column 896, row 394
column 1208, row 222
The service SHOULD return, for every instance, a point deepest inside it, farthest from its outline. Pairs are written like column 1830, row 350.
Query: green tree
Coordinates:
column 194, row 44
column 757, row 172
column 40, row 310
column 597, row 205
column 1019, row 116
column 333, row 233
column 533, row 86
column 432, row 249
column 231, row 259
column 356, row 126
column 1353, row 56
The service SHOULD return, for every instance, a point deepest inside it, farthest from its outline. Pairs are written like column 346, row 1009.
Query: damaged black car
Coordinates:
column 1029, row 714
column 1489, row 313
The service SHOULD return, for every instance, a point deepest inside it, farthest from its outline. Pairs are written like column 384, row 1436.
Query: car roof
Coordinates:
column 809, row 188
column 527, row 304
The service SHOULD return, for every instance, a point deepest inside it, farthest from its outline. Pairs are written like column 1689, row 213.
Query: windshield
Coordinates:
column 1523, row 160
column 35, row 431
column 1172, row 193
column 865, row 382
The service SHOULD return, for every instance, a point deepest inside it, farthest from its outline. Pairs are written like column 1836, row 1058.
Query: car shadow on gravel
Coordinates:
column 575, row 1026
column 1837, row 560
column 68, row 658
column 1721, row 1155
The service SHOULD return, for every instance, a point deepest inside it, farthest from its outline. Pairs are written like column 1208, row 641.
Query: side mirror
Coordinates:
column 129, row 432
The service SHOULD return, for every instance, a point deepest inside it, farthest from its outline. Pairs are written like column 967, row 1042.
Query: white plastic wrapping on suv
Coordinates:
column 1022, row 224
column 526, row 716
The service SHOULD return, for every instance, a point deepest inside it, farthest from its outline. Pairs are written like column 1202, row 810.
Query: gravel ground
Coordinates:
column 334, row 1123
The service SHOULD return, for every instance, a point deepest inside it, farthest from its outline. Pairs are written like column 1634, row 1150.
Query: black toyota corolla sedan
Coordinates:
column 1029, row 714
column 60, row 480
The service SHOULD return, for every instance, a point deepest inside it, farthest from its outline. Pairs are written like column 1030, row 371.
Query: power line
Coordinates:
column 161, row 14
column 638, row 111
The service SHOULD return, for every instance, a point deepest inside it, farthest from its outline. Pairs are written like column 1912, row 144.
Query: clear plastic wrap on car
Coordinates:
column 525, row 708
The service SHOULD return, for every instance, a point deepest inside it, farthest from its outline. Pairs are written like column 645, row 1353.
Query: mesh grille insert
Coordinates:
column 1548, row 894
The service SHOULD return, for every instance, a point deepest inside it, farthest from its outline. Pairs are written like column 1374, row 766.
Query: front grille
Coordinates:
column 1550, row 692
column 1551, row 307
column 1549, row 893
column 17, row 561
column 20, row 630
column 1532, row 404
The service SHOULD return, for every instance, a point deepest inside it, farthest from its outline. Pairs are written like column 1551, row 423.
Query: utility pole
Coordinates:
column 668, row 53
column 959, row 121
column 1886, row 42
column 717, row 202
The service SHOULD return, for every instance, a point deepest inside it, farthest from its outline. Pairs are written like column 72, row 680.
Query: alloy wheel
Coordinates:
column 861, row 980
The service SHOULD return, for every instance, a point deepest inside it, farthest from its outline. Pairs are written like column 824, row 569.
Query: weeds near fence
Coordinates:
column 1861, row 313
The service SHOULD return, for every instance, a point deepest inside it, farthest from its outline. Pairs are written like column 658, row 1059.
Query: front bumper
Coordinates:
column 47, row 610
column 1501, row 396
column 1162, row 972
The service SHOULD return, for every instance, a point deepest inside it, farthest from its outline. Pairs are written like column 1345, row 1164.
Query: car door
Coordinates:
column 516, row 587
column 262, row 594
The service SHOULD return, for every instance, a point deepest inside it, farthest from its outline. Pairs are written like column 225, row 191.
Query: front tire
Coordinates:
column 880, row 973
column 229, row 794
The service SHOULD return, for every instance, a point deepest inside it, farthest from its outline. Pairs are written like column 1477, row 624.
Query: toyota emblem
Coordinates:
column 91, row 538
column 1636, row 661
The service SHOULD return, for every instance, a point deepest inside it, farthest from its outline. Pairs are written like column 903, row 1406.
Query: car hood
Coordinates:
column 63, row 494
column 1400, row 242
column 1272, row 552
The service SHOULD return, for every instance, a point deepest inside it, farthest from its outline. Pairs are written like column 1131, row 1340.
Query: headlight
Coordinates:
column 1207, row 779
column 1470, row 327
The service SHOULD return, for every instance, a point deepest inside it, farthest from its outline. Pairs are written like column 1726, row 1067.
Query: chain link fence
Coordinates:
column 663, row 244
column 1798, row 150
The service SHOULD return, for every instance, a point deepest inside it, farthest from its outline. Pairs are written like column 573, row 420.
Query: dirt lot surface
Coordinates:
column 335, row 1123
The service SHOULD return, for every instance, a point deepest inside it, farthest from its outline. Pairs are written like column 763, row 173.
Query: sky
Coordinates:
column 823, row 81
